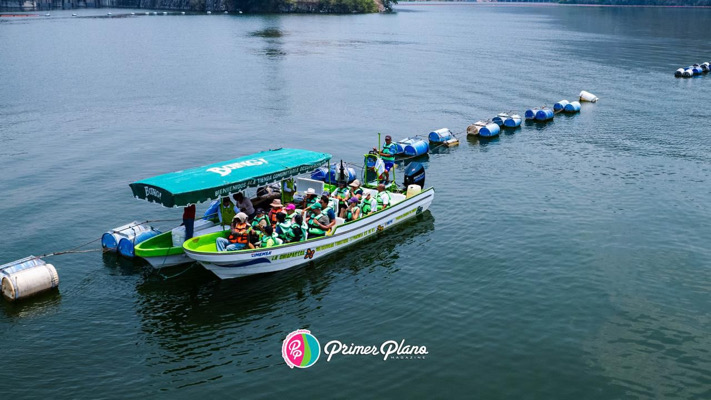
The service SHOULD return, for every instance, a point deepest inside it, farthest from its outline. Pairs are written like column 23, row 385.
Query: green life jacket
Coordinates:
column 228, row 213
column 365, row 207
column 389, row 149
column 349, row 215
column 343, row 193
column 255, row 222
column 357, row 192
column 303, row 232
column 268, row 241
column 314, row 228
column 286, row 234
column 380, row 200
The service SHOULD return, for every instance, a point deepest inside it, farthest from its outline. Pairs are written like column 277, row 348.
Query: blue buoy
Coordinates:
column 125, row 246
column 513, row 121
column 499, row 119
column 572, row 107
column 400, row 146
column 322, row 174
column 697, row 70
column 531, row 114
column 560, row 106
column 544, row 115
column 490, row 130
column 440, row 135
column 417, row 148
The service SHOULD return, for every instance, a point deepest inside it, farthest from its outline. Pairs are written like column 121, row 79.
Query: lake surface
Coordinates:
column 561, row 261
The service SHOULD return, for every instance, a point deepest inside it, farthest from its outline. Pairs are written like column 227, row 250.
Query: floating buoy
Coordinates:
column 47, row 15
column 126, row 246
column 530, row 114
column 688, row 73
column 74, row 15
column 155, row 13
column 499, row 119
column 240, row 12
column 27, row 277
column 559, row 106
column 209, row 12
column 226, row 12
column 679, row 72
column 572, row 107
column 513, row 121
column 697, row 70
column 416, row 148
column 544, row 115
column 111, row 239
column 705, row 67
column 147, row 13
column 182, row 13
column 440, row 135
column 109, row 14
column 133, row 13
column 473, row 129
column 587, row 96
column 490, row 130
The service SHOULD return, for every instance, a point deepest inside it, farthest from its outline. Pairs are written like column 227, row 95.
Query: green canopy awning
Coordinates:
column 182, row 188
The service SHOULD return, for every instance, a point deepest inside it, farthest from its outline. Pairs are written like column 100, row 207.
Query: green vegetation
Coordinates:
column 311, row 6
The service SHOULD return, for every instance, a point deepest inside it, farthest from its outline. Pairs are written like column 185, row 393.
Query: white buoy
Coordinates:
column 74, row 15
column 155, row 13
column 240, row 12
column 27, row 277
column 183, row 13
column 209, row 12
column 225, row 12
column 133, row 13
column 587, row 96
column 47, row 15
column 109, row 14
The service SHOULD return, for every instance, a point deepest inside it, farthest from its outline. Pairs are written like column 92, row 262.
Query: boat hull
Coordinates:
column 159, row 251
column 228, row 265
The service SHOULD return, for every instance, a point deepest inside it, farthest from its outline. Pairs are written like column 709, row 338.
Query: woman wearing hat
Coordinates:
column 356, row 190
column 238, row 238
column 352, row 213
column 277, row 208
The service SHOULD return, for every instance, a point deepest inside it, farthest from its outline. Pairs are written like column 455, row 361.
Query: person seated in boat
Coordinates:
column 269, row 239
column 238, row 238
column 317, row 221
column 309, row 198
column 297, row 229
column 388, row 156
column 227, row 211
column 326, row 209
column 283, row 228
column 366, row 205
column 260, row 220
column 244, row 204
column 355, row 190
column 341, row 194
column 383, row 198
column 290, row 211
column 277, row 208
column 352, row 213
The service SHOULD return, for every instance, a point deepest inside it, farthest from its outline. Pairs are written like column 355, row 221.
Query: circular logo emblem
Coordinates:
column 300, row 349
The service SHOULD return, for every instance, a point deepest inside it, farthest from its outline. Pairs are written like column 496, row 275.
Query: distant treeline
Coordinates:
column 640, row 2
column 312, row 6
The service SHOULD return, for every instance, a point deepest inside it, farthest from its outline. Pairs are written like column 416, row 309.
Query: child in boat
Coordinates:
column 269, row 239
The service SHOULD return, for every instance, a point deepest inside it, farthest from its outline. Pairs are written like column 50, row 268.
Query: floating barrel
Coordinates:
column 490, row 130
column 400, row 146
column 111, row 239
column 415, row 174
column 697, row 70
column 499, row 119
column 544, row 115
column 27, row 277
column 514, row 121
column 530, row 114
column 688, row 73
column 125, row 246
column 322, row 174
column 418, row 147
column 705, row 67
column 679, row 72
column 473, row 129
column 440, row 135
column 572, row 107
column 560, row 106
column 587, row 96
column 349, row 173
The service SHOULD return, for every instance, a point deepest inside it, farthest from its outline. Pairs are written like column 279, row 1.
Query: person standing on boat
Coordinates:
column 244, row 204
column 352, row 213
column 238, row 238
column 277, row 208
column 383, row 198
column 317, row 221
column 226, row 211
column 366, row 205
column 189, row 221
column 388, row 156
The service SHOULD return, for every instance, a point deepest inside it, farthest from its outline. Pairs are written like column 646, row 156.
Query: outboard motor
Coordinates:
column 415, row 175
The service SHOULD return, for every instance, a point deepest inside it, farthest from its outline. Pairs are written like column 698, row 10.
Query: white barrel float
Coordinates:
column 531, row 114
column 27, row 277
column 400, row 145
column 413, row 190
column 490, row 130
column 544, row 115
column 513, row 121
column 560, row 106
column 587, row 96
column 111, row 239
column 688, row 73
column 440, row 135
column 679, row 72
column 572, row 107
column 473, row 129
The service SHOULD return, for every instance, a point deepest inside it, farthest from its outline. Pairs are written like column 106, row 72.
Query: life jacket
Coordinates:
column 285, row 229
column 349, row 215
column 343, row 193
column 268, row 241
column 365, row 207
column 379, row 199
column 311, row 202
column 389, row 149
column 357, row 192
column 297, row 233
column 227, row 213
column 242, row 235
column 273, row 213
column 255, row 222
column 314, row 228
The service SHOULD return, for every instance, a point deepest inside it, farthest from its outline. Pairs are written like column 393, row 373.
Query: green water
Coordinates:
column 559, row 261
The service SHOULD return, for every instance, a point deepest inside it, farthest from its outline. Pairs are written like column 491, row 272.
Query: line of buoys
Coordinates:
column 693, row 70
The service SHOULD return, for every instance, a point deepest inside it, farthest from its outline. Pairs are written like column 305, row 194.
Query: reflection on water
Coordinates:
column 198, row 323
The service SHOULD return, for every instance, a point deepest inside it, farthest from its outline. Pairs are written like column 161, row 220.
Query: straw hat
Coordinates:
column 276, row 203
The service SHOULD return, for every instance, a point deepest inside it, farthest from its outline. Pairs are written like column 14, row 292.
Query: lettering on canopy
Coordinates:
column 227, row 169
column 263, row 180
column 152, row 192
